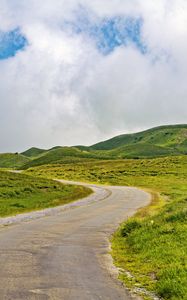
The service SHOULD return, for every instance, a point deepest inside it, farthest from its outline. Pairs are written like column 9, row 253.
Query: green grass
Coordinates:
column 163, row 136
column 22, row 193
column 61, row 155
column 152, row 245
column 153, row 249
column 12, row 160
column 155, row 142
column 128, row 172
column 33, row 152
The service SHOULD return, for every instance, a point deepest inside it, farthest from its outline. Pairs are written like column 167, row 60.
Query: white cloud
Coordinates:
column 61, row 90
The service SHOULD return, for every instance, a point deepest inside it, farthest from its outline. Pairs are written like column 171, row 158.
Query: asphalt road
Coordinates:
column 65, row 255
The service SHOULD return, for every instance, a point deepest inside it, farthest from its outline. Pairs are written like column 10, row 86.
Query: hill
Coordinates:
column 165, row 136
column 33, row 152
column 61, row 155
column 12, row 160
column 155, row 142
column 158, row 141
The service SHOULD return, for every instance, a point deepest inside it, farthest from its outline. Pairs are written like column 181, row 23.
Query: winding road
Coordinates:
column 64, row 254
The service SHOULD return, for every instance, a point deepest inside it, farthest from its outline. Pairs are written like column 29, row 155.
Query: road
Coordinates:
column 65, row 255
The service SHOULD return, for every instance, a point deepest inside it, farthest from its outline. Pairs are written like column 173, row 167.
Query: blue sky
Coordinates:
column 111, row 32
column 11, row 42
column 107, row 34
column 119, row 31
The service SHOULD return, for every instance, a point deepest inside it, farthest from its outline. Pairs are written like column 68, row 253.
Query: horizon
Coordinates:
column 77, row 145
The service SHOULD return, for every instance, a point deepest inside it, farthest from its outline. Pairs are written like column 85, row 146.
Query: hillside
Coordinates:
column 155, row 142
column 60, row 155
column 12, row 160
column 161, row 141
column 33, row 152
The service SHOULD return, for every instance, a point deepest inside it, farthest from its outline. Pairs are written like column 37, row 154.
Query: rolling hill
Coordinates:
column 155, row 142
column 12, row 160
column 163, row 136
column 59, row 155
column 33, row 152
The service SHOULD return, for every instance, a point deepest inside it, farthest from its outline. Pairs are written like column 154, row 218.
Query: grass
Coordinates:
column 128, row 172
column 152, row 245
column 12, row 160
column 154, row 142
column 33, row 152
column 61, row 155
column 153, row 249
column 22, row 193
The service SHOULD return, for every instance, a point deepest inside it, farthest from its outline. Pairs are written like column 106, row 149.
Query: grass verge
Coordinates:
column 21, row 193
column 152, row 247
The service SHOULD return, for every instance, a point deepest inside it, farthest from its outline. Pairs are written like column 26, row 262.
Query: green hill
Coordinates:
column 155, row 142
column 158, row 141
column 33, row 152
column 61, row 155
column 12, row 160
column 171, row 135
column 142, row 150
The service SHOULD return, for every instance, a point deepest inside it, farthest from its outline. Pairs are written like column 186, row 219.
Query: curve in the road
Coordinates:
column 64, row 254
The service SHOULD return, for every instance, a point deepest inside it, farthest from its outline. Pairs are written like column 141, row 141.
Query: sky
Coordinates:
column 79, row 71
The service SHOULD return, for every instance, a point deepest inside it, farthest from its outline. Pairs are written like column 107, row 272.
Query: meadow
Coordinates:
column 150, row 247
column 22, row 193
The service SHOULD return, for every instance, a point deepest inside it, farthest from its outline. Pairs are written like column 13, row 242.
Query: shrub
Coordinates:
column 129, row 227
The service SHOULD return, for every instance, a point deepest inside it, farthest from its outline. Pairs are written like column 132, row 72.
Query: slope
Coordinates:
column 171, row 136
column 12, row 160
column 61, row 155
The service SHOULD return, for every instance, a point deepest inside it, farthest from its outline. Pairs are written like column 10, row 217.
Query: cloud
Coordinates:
column 85, row 82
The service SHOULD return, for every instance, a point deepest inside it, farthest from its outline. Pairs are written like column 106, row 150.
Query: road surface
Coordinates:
column 65, row 255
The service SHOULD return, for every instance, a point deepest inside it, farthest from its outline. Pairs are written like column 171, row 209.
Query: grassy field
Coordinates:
column 152, row 245
column 21, row 193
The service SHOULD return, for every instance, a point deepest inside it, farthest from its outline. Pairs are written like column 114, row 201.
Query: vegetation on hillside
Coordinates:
column 21, row 193
column 60, row 155
column 12, row 160
column 164, row 136
column 157, row 142
column 33, row 152
column 151, row 246
column 128, row 172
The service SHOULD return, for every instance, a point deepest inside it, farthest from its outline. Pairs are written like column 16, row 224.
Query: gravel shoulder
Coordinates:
column 98, row 194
